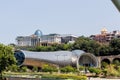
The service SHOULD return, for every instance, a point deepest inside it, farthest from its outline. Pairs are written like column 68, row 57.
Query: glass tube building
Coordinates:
column 61, row 58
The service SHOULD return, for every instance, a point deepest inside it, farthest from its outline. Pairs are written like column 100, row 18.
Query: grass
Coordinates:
column 53, row 76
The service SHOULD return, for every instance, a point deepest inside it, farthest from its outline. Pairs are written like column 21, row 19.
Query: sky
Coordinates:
column 77, row 17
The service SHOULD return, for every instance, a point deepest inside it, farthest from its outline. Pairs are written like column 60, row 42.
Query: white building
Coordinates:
column 39, row 39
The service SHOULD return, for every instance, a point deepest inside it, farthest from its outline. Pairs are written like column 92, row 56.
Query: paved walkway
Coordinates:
column 101, row 79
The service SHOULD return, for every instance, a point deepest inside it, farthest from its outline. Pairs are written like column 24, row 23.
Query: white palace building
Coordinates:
column 38, row 39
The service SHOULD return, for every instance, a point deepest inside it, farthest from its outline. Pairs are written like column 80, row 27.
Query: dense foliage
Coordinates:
column 97, row 71
column 67, row 69
column 98, row 49
column 6, row 57
column 47, row 68
column 85, row 44
column 53, row 47
column 115, row 46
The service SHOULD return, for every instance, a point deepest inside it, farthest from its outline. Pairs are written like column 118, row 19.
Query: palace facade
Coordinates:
column 38, row 39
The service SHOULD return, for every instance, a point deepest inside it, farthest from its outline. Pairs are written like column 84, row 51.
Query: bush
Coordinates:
column 23, row 69
column 67, row 69
column 81, row 68
column 47, row 68
column 116, row 62
column 13, row 68
column 104, row 64
column 97, row 71
column 35, row 69
column 111, row 71
column 104, row 72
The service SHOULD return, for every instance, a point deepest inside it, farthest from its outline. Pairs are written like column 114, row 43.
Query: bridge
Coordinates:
column 108, row 59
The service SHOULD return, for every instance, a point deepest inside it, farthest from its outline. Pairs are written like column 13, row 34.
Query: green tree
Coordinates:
column 64, row 46
column 6, row 57
column 87, row 45
column 41, row 48
column 115, row 46
column 104, row 50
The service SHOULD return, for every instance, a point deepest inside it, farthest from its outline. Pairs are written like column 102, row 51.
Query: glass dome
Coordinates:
column 38, row 33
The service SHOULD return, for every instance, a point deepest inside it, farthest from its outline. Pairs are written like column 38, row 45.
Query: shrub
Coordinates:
column 13, row 68
column 97, row 71
column 104, row 72
column 67, row 69
column 35, row 69
column 23, row 69
column 81, row 68
column 104, row 64
column 47, row 68
column 111, row 71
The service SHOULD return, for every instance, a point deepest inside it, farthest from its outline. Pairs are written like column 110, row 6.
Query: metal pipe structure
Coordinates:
column 61, row 58
column 117, row 4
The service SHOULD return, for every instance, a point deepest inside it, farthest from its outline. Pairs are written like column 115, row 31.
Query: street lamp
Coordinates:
column 117, row 4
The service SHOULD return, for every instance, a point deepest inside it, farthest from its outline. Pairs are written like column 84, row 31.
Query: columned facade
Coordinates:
column 38, row 39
